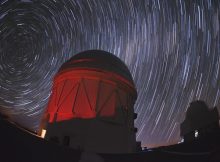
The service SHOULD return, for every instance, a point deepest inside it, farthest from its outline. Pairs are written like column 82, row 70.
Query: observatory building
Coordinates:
column 199, row 121
column 91, row 105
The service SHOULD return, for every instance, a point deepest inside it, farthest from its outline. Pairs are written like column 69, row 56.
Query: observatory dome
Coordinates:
column 92, row 100
column 90, row 84
column 98, row 60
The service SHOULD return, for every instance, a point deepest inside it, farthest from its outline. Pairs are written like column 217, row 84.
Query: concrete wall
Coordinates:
column 101, row 135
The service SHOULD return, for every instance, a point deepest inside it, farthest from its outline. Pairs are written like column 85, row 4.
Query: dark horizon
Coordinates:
column 23, row 146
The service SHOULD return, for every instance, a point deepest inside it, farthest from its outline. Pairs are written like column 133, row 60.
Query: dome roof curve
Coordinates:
column 100, row 61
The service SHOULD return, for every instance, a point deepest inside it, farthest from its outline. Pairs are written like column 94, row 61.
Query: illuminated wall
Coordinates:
column 91, row 106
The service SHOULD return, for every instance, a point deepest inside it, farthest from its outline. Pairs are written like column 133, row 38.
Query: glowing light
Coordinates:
column 43, row 133
column 196, row 133
column 182, row 140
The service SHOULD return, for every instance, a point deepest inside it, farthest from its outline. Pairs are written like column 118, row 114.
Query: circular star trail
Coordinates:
column 172, row 49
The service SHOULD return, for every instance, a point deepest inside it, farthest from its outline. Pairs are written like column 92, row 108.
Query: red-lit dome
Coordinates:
column 91, row 83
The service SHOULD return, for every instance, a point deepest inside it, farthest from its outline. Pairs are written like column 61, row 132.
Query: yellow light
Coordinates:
column 43, row 133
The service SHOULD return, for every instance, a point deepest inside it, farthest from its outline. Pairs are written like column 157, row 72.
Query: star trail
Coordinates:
column 172, row 49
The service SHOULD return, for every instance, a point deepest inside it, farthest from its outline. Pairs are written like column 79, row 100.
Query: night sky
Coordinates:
column 172, row 49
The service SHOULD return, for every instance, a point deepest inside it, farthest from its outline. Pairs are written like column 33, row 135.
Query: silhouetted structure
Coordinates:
column 91, row 106
column 199, row 121
column 17, row 145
